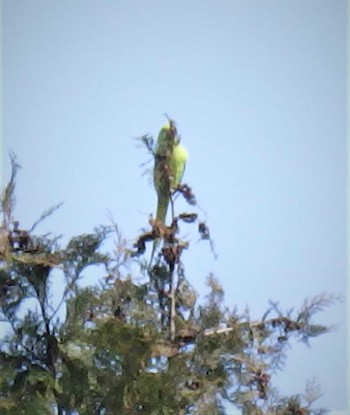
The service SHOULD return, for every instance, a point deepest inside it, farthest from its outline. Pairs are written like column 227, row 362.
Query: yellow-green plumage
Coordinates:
column 169, row 167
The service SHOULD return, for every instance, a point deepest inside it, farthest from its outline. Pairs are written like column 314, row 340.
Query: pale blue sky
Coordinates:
column 258, row 89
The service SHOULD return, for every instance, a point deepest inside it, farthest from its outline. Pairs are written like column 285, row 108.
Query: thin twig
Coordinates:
column 173, row 308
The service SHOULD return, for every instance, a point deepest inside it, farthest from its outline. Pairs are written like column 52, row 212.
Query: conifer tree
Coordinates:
column 135, row 343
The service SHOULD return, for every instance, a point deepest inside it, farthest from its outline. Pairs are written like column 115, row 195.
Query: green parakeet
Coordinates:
column 169, row 166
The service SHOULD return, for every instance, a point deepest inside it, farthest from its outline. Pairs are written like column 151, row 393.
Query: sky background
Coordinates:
column 258, row 89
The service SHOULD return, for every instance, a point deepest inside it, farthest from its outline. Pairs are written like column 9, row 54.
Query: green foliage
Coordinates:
column 135, row 343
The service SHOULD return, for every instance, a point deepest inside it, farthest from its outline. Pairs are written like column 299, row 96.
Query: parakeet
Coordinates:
column 169, row 166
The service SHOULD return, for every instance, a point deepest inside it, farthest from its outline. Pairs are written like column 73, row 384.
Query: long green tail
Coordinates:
column 162, row 207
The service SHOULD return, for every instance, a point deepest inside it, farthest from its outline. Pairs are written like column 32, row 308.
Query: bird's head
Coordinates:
column 169, row 131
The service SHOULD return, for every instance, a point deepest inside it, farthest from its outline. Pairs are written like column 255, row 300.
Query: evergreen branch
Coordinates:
column 66, row 291
column 45, row 214
column 211, row 331
column 30, row 259
column 8, row 198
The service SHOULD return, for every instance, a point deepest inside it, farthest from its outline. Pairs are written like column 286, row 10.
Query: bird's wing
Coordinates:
column 179, row 159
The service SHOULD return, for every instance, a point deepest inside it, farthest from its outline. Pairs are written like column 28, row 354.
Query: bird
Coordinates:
column 170, row 158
